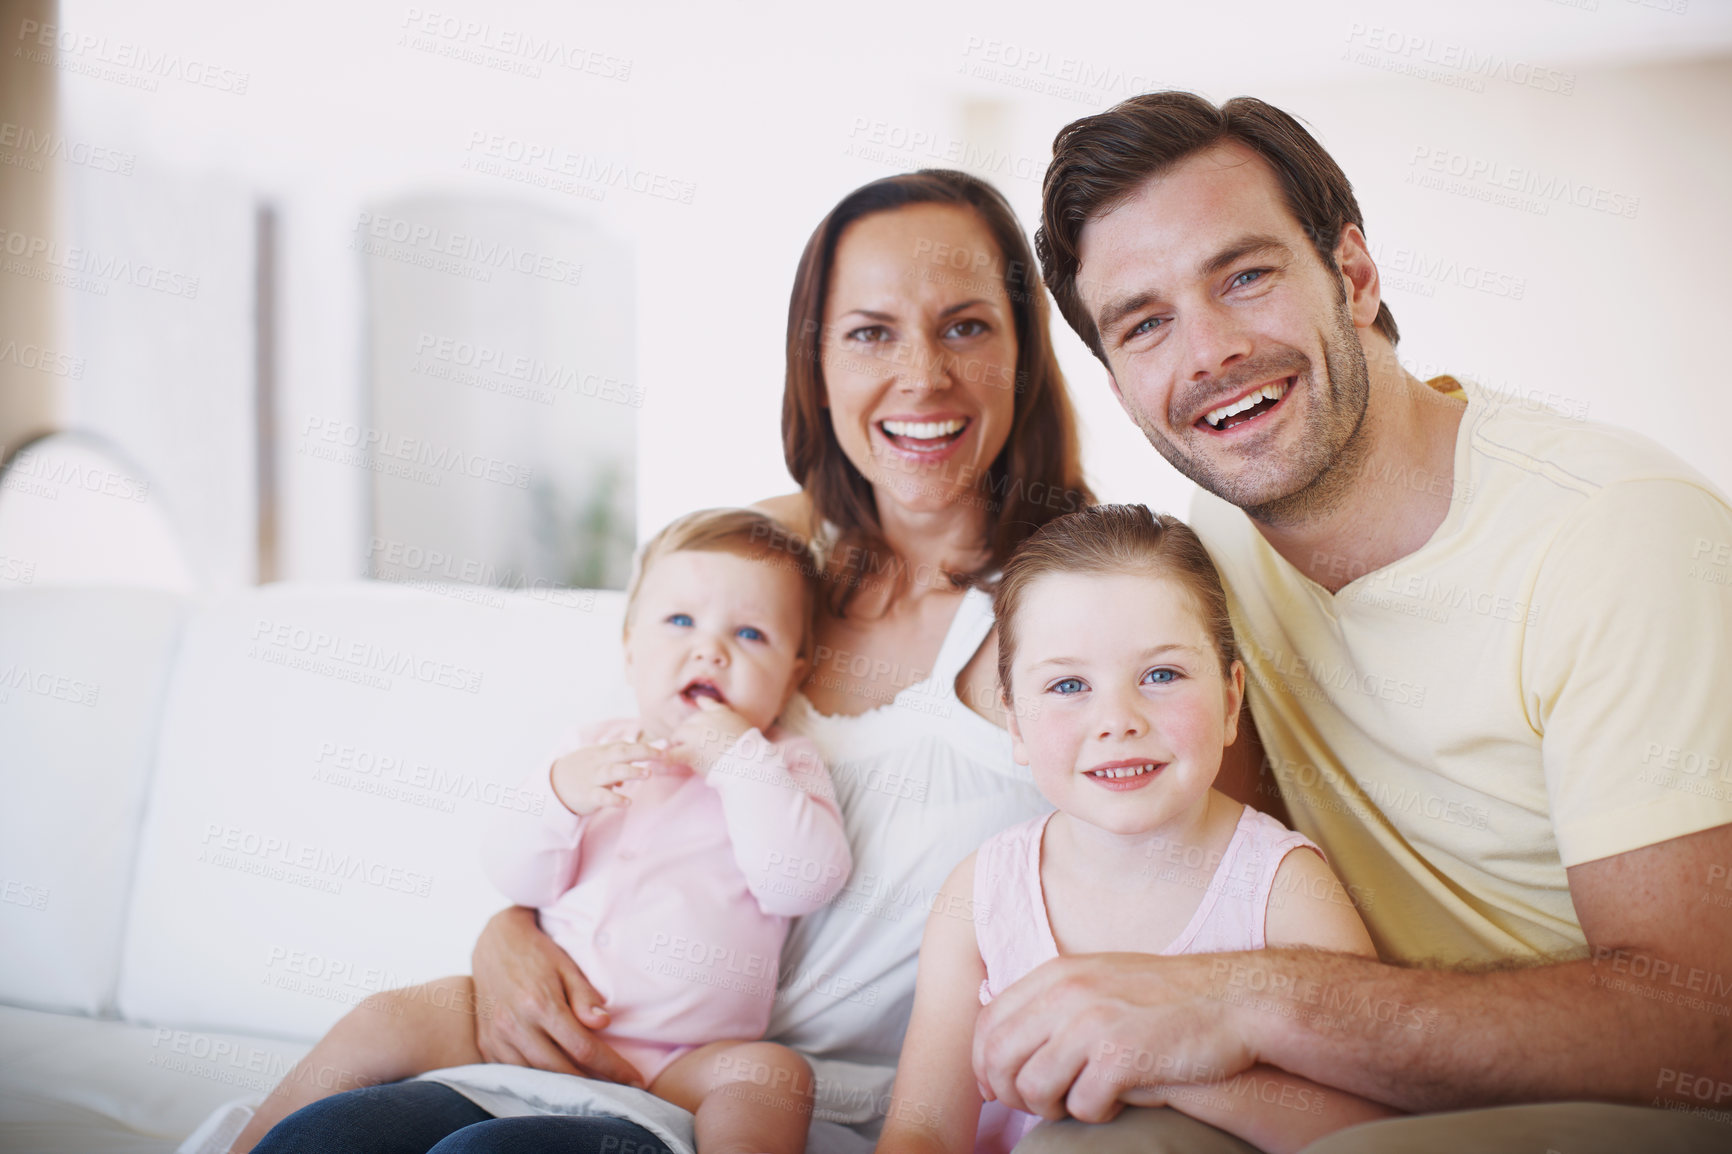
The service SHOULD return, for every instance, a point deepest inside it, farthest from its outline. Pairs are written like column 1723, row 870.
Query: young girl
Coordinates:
column 672, row 851
column 1117, row 668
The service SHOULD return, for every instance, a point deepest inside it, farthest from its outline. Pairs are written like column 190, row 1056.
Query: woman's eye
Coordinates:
column 681, row 619
column 870, row 334
column 966, row 328
column 1066, row 686
column 750, row 633
column 1160, row 676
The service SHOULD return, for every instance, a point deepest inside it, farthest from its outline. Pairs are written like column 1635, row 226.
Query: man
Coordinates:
column 1490, row 658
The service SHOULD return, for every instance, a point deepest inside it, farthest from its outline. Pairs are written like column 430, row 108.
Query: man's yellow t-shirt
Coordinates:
column 1547, row 681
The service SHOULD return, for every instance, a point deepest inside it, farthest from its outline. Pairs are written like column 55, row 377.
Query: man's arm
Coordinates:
column 1645, row 1018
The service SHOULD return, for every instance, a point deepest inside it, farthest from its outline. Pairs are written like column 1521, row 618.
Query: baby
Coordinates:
column 661, row 861
column 1117, row 668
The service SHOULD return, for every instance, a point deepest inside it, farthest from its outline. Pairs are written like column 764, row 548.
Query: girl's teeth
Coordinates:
column 923, row 430
column 1126, row 771
column 1272, row 392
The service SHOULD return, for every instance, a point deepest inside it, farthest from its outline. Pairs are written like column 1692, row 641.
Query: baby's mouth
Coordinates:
column 701, row 687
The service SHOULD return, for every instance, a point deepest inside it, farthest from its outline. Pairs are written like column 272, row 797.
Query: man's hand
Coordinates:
column 535, row 1008
column 584, row 780
column 702, row 738
column 1087, row 1034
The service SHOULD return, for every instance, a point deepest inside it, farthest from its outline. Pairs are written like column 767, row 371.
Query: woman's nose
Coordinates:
column 926, row 368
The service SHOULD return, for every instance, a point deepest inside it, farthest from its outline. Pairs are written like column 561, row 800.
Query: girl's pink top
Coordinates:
column 675, row 906
column 1015, row 935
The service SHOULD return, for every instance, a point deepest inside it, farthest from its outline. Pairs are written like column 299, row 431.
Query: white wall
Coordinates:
column 770, row 115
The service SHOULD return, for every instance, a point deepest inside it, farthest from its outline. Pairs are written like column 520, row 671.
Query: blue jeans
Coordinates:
column 427, row 1118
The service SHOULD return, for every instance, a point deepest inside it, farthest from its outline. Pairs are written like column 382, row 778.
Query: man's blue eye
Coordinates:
column 1066, row 686
column 749, row 633
column 1146, row 327
column 1253, row 273
column 1161, row 676
column 681, row 619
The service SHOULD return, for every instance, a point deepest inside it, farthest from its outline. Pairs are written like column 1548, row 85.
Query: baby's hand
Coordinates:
column 584, row 780
column 702, row 738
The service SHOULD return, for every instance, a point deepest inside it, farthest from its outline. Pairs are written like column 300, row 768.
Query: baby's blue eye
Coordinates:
column 1161, row 676
column 681, row 619
column 1066, row 686
column 750, row 633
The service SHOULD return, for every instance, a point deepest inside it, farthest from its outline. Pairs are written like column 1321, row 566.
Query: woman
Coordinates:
column 927, row 423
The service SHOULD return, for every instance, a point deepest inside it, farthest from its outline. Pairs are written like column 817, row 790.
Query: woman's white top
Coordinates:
column 922, row 781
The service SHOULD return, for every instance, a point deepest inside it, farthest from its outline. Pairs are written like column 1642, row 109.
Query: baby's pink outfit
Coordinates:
column 675, row 906
column 1015, row 935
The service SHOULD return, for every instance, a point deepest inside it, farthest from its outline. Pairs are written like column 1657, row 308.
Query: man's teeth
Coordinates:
column 923, row 430
column 1124, row 771
column 1272, row 392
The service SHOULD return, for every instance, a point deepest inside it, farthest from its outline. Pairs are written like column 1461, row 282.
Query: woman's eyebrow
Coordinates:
column 968, row 304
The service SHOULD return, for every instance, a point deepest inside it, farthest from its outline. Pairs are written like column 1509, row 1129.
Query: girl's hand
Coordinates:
column 585, row 780
column 535, row 1008
column 702, row 738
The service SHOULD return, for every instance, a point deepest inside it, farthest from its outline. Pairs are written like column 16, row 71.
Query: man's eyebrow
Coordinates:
column 1114, row 313
column 1240, row 250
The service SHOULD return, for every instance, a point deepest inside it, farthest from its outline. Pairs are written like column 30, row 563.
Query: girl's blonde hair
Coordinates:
column 744, row 533
column 1114, row 539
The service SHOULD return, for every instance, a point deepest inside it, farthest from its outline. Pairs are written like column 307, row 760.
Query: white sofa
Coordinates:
column 226, row 819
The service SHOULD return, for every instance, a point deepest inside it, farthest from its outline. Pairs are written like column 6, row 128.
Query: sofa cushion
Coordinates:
column 82, row 678
column 329, row 757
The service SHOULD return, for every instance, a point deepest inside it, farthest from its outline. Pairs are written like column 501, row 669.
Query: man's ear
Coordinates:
column 1359, row 274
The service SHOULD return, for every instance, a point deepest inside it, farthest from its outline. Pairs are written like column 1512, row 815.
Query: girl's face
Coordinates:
column 1120, row 708
column 919, row 353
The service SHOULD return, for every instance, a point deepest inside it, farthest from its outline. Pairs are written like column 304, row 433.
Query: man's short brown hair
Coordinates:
column 1100, row 161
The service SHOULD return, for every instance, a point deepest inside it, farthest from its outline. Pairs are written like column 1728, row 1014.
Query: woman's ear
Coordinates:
column 1235, row 701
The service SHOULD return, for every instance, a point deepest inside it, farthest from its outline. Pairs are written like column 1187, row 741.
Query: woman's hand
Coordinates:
column 535, row 1008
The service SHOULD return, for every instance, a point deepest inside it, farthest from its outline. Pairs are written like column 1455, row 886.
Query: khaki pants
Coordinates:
column 1556, row 1127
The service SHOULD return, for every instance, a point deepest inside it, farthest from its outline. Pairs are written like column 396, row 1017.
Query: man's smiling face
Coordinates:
column 1230, row 343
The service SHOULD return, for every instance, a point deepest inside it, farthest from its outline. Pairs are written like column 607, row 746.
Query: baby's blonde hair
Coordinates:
column 744, row 533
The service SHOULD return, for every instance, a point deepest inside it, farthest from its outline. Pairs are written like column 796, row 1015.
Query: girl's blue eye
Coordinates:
column 682, row 619
column 1161, row 676
column 749, row 633
column 1066, row 686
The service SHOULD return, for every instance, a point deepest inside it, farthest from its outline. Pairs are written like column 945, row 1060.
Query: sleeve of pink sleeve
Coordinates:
column 786, row 827
column 530, row 853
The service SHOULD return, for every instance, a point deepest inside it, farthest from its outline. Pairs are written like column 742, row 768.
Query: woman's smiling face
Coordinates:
column 919, row 353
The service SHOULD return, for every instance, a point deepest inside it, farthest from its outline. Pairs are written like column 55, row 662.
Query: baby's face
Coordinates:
column 719, row 626
column 1120, row 710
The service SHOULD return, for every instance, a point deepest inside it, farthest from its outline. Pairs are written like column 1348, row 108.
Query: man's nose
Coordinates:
column 1216, row 339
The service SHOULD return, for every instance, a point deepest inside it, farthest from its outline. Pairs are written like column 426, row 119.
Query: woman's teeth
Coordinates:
column 1124, row 771
column 923, row 430
column 1273, row 392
